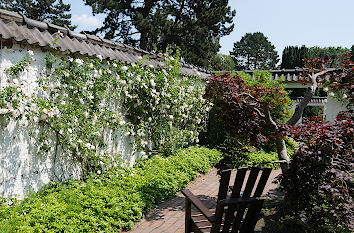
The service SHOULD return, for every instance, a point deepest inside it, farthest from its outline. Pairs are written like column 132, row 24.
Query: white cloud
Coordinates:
column 86, row 22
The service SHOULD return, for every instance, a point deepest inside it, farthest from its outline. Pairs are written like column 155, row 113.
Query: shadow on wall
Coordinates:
column 22, row 168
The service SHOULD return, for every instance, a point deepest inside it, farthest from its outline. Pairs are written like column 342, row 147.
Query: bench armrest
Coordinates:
column 198, row 204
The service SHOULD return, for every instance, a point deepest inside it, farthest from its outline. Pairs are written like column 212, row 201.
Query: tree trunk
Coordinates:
column 299, row 110
column 282, row 153
column 280, row 144
column 143, row 40
column 144, row 30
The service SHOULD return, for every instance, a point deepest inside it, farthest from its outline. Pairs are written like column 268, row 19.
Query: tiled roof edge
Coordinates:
column 20, row 19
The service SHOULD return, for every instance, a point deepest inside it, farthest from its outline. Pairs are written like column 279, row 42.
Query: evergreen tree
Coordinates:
column 293, row 57
column 52, row 11
column 194, row 26
column 254, row 51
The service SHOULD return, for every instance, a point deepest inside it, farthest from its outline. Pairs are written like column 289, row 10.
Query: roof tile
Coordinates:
column 20, row 28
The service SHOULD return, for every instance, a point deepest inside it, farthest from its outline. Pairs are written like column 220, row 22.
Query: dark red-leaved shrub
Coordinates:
column 319, row 184
column 237, row 119
column 237, row 104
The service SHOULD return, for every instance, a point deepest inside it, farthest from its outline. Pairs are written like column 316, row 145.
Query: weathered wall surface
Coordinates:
column 332, row 108
column 22, row 168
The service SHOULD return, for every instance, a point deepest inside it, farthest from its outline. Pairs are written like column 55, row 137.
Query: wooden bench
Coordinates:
column 237, row 210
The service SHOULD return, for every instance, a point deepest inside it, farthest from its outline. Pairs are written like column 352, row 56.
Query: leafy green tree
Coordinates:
column 333, row 54
column 223, row 62
column 293, row 57
column 254, row 51
column 52, row 11
column 195, row 26
column 352, row 53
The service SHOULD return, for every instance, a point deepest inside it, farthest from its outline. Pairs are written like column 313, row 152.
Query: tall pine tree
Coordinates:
column 254, row 51
column 195, row 26
column 52, row 11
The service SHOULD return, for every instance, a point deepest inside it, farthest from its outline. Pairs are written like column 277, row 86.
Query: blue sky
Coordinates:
column 284, row 22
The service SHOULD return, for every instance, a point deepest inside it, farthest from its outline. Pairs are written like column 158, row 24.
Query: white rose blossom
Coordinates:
column 144, row 143
column 51, row 113
column 125, row 68
column 143, row 153
column 15, row 113
column 152, row 82
column 96, row 73
column 79, row 61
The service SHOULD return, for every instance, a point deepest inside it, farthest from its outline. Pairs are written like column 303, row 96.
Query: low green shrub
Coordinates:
column 253, row 156
column 109, row 202
column 268, row 153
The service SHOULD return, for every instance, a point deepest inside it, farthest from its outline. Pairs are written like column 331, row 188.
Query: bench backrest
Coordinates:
column 240, row 217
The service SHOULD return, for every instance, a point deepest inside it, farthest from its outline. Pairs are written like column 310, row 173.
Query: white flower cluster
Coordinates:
column 85, row 99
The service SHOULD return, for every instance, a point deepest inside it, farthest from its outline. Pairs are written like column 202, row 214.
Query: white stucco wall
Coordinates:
column 332, row 108
column 21, row 167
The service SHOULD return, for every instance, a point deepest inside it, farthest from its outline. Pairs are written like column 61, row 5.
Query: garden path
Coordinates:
column 168, row 217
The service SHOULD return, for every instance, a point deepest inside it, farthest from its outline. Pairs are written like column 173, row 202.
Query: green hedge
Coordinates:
column 110, row 202
column 267, row 154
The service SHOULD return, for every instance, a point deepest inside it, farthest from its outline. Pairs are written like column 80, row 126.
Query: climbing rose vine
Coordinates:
column 80, row 105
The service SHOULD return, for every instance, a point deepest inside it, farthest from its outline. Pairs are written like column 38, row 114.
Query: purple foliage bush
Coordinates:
column 319, row 184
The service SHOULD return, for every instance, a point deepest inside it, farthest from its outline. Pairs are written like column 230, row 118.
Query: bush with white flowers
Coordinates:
column 82, row 101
